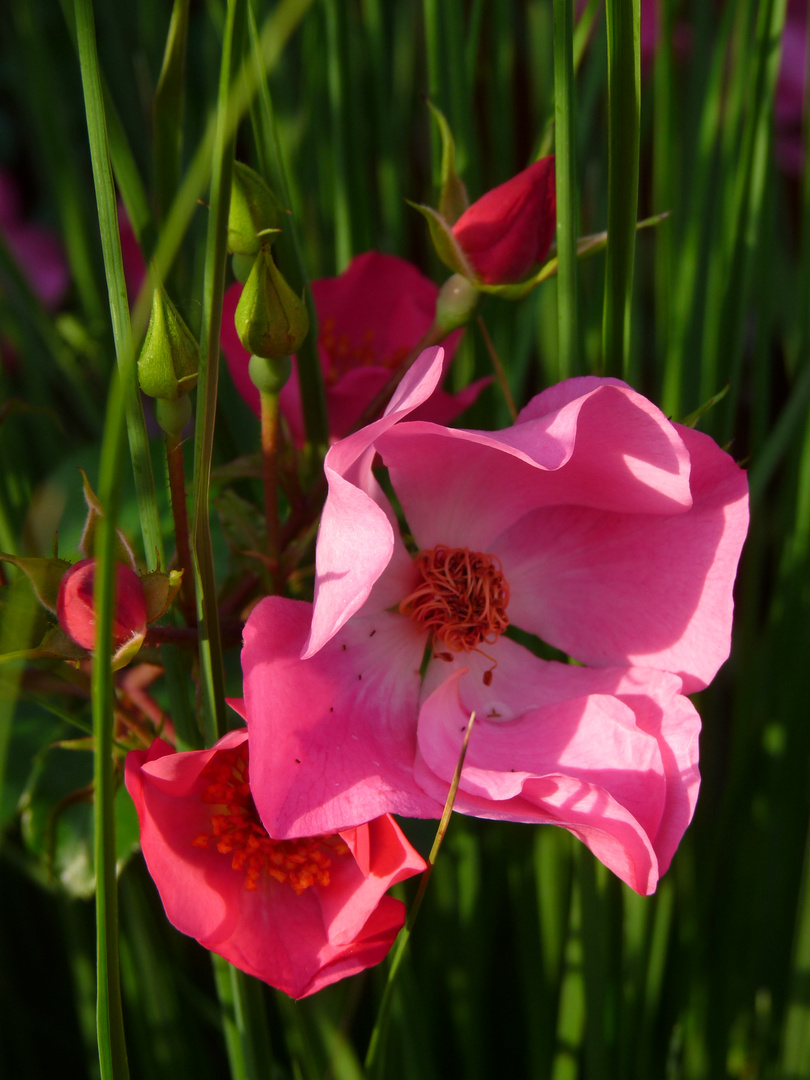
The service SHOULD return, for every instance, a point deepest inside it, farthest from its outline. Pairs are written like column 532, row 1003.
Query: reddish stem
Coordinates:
column 177, row 487
column 269, row 416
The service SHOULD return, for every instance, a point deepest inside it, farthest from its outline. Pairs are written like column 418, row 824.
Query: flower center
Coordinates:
column 344, row 357
column 462, row 598
column 237, row 831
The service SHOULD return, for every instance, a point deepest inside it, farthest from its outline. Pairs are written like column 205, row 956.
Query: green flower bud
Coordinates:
column 253, row 211
column 270, row 319
column 167, row 366
column 456, row 302
column 269, row 376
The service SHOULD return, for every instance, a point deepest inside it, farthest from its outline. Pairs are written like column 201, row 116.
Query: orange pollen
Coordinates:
column 237, row 831
column 462, row 599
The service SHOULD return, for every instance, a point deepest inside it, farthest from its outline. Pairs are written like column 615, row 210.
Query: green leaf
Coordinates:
column 692, row 419
column 444, row 242
column 453, row 200
column 44, row 574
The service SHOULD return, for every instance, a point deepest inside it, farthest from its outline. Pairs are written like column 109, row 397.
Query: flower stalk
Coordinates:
column 177, row 488
column 269, row 419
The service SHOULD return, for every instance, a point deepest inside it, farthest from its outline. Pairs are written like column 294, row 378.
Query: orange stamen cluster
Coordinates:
column 462, row 599
column 344, row 357
column 237, row 831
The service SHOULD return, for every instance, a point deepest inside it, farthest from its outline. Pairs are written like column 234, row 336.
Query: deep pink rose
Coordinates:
column 510, row 229
column 131, row 255
column 76, row 613
column 369, row 318
column 299, row 914
column 36, row 250
column 791, row 89
column 593, row 523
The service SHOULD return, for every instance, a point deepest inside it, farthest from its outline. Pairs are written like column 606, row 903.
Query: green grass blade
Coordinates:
column 109, row 1017
column 246, row 1034
column 624, row 96
column 288, row 246
column 214, row 709
column 337, row 91
column 114, row 268
column 167, row 111
column 567, row 199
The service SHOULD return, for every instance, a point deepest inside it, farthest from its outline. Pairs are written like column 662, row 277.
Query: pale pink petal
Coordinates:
column 648, row 590
column 549, row 734
column 584, row 763
column 608, row 450
column 356, row 539
column 332, row 738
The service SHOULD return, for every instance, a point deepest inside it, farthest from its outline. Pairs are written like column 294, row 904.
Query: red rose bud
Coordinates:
column 76, row 614
column 505, row 232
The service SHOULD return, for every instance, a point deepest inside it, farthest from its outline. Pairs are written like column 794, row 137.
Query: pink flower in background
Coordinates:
column 791, row 89
column 298, row 914
column 369, row 317
column 593, row 523
column 510, row 228
column 36, row 250
column 131, row 255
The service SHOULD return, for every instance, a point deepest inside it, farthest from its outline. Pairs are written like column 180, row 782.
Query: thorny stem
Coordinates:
column 177, row 487
column 269, row 419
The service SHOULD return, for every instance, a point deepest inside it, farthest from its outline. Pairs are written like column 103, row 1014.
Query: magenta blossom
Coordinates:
column 36, row 250
column 791, row 89
column 592, row 523
column 299, row 914
column 369, row 318
column 510, row 228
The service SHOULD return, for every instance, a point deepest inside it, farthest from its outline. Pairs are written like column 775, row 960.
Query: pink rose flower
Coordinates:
column 791, row 88
column 131, row 255
column 76, row 613
column 593, row 523
column 299, row 914
column 369, row 317
column 510, row 228
column 36, row 250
